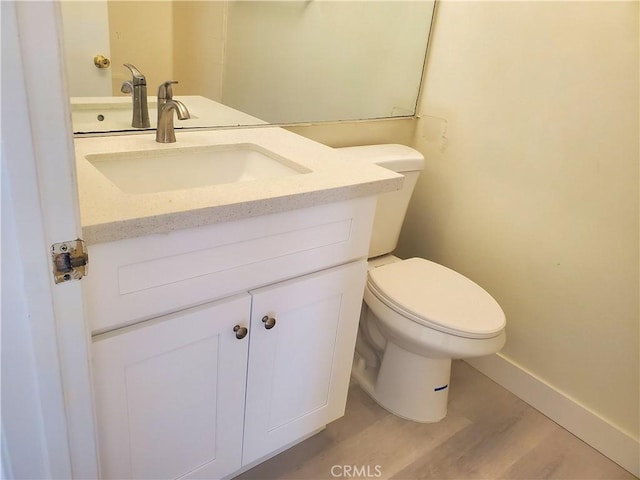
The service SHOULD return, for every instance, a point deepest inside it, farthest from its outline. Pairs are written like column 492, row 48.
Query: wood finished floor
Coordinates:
column 488, row 433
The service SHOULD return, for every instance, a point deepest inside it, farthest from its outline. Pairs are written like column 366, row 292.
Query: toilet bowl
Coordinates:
column 417, row 315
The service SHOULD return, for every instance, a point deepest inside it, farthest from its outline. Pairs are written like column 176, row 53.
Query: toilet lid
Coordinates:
column 438, row 297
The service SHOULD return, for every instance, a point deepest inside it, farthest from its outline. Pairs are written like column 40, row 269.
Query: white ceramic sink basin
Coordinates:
column 179, row 168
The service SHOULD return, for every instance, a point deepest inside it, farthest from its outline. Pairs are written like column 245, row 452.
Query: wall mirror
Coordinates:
column 247, row 62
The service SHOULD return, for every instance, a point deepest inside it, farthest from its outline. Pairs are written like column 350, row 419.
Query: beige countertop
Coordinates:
column 109, row 214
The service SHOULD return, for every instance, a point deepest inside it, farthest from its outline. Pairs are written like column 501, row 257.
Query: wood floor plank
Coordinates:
column 488, row 433
column 385, row 447
column 485, row 448
column 560, row 455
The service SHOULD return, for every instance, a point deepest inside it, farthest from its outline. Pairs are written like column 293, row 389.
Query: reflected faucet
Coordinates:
column 137, row 87
column 166, row 106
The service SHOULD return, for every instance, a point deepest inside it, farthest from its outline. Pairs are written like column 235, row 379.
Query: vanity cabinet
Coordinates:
column 170, row 392
column 189, row 393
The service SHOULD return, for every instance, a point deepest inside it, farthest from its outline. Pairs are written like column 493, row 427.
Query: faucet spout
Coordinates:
column 166, row 131
column 166, row 106
column 137, row 87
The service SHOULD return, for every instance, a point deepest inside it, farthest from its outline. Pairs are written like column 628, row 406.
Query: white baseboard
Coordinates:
column 583, row 423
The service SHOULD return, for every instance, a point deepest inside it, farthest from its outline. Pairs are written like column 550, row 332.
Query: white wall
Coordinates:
column 530, row 132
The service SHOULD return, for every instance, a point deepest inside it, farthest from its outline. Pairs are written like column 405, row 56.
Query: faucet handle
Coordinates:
column 138, row 78
column 126, row 87
column 165, row 92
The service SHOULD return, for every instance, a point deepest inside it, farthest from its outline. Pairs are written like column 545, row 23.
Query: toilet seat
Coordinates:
column 437, row 297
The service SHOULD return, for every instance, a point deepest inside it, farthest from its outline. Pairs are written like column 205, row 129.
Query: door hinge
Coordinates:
column 70, row 260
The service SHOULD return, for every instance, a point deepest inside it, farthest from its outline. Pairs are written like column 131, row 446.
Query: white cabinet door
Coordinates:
column 299, row 369
column 170, row 394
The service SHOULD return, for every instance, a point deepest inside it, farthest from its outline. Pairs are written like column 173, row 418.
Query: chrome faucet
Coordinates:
column 166, row 106
column 137, row 87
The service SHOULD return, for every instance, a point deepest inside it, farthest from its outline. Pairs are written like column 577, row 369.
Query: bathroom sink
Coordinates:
column 180, row 168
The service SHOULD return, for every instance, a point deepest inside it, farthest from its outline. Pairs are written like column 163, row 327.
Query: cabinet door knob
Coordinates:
column 269, row 322
column 241, row 332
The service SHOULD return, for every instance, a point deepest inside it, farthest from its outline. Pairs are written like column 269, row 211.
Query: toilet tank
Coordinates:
column 392, row 206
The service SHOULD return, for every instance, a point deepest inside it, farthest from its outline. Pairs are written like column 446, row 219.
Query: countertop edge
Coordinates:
column 168, row 222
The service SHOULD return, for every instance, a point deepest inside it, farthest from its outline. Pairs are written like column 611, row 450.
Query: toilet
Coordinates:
column 417, row 315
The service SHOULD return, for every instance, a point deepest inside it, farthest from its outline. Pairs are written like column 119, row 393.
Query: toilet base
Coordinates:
column 408, row 385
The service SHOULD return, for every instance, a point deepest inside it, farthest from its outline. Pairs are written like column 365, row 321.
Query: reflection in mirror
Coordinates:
column 247, row 62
